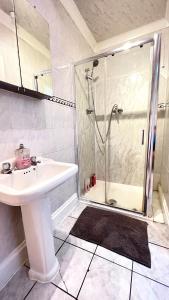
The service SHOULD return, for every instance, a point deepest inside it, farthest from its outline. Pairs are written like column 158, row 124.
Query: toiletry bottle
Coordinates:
column 93, row 179
column 23, row 160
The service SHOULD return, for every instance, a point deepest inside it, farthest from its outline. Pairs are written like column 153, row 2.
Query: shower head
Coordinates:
column 95, row 63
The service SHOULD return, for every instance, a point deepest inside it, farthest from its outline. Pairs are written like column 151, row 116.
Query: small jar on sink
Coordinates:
column 23, row 159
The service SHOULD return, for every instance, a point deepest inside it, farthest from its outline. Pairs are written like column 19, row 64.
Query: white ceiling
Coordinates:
column 6, row 5
column 29, row 19
column 109, row 18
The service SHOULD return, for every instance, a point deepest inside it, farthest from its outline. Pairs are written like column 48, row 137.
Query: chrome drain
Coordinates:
column 112, row 202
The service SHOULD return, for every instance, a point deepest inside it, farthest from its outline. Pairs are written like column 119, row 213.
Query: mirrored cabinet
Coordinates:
column 25, row 58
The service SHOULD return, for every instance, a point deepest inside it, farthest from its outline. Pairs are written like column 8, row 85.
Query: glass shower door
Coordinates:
column 90, row 107
column 128, row 85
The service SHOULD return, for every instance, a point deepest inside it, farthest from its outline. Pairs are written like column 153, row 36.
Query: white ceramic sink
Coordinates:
column 26, row 185
column 29, row 189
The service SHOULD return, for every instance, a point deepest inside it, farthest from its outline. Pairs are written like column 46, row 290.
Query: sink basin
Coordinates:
column 29, row 189
column 26, row 185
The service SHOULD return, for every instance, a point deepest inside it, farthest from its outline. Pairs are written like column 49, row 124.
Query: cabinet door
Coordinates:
column 34, row 48
column 9, row 62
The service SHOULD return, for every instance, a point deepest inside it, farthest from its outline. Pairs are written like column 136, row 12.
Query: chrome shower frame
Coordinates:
column 152, row 112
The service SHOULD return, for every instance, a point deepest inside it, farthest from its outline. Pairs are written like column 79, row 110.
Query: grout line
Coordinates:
column 131, row 281
column 88, row 269
column 159, row 245
column 30, row 290
column 63, row 290
column 79, row 246
column 151, row 279
column 95, row 253
column 58, row 238
column 60, row 247
column 114, row 262
column 72, row 217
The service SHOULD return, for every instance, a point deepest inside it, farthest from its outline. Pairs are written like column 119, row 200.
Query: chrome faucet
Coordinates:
column 6, row 168
column 34, row 162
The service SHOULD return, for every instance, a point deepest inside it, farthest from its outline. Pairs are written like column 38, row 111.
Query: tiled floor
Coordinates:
column 89, row 272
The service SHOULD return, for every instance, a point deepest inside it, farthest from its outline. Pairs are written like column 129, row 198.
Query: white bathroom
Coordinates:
column 84, row 149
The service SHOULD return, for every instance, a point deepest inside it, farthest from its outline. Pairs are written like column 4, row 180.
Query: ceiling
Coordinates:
column 6, row 5
column 29, row 19
column 108, row 18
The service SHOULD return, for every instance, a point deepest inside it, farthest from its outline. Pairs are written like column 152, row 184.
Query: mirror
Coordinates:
column 34, row 48
column 9, row 63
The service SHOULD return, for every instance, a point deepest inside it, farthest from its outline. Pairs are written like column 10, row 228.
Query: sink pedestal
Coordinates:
column 39, row 240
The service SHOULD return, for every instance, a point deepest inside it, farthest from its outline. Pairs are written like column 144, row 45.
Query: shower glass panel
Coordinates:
column 128, row 85
column 89, row 144
column 112, row 98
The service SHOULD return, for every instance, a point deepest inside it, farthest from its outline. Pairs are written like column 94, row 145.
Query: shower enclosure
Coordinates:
column 116, row 105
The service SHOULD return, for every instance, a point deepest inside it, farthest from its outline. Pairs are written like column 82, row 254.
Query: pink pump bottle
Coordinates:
column 23, row 160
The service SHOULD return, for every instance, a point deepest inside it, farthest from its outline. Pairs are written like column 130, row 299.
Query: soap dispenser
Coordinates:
column 23, row 160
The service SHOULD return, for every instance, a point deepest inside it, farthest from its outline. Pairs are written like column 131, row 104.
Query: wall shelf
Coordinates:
column 34, row 94
column 23, row 91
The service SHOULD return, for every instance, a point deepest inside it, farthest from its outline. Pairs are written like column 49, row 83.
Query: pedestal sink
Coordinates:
column 28, row 188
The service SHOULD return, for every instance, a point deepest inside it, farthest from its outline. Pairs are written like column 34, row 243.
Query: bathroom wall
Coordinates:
column 45, row 127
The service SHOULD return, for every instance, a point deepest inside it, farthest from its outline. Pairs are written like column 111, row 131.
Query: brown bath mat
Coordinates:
column 122, row 234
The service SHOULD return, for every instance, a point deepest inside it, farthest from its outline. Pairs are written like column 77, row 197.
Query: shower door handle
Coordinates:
column 142, row 138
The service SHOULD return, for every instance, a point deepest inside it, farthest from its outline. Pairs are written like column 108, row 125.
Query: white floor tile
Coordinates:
column 74, row 263
column 107, row 281
column 159, row 265
column 57, row 244
column 63, row 229
column 151, row 290
column 158, row 234
column 81, row 243
column 18, row 286
column 47, row 292
column 114, row 257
